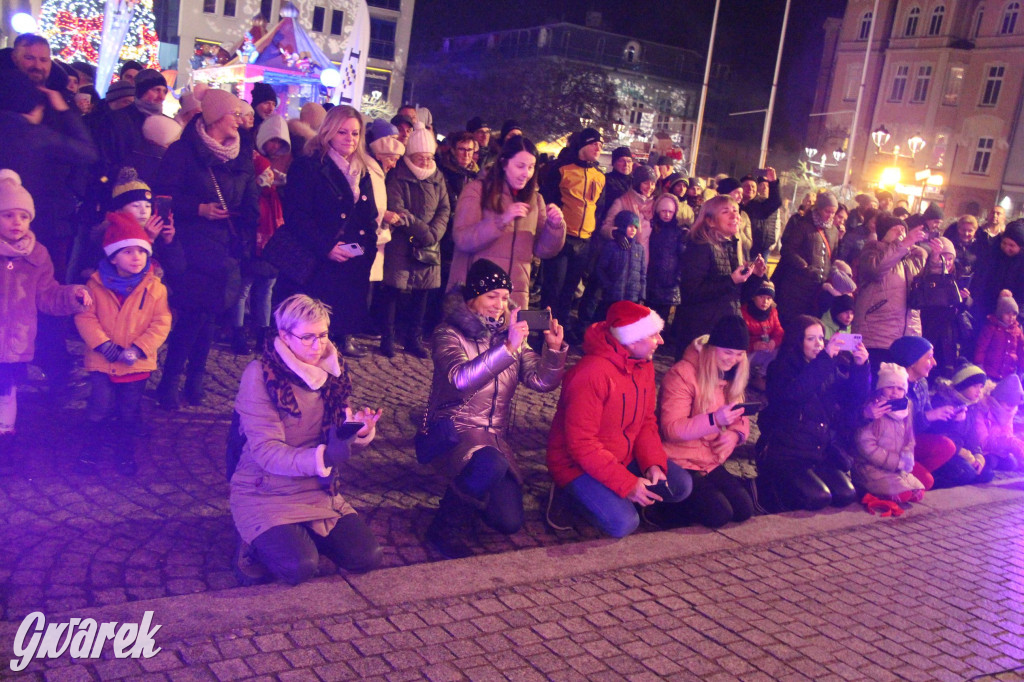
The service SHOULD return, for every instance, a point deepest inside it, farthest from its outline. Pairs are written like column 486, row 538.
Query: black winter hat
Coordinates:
column 933, row 212
column 17, row 93
column 621, row 152
column 674, row 179
column 476, row 123
column 885, row 222
column 119, row 90
column 1015, row 231
column 730, row 332
column 624, row 219
column 588, row 136
column 263, row 92
column 641, row 174
column 727, row 185
column 840, row 305
column 147, row 79
column 508, row 126
column 484, row 276
column 130, row 64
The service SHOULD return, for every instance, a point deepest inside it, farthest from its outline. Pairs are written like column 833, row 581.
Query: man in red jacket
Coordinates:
column 604, row 448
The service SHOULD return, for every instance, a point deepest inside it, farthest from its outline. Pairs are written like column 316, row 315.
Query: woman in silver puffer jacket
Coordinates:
column 480, row 357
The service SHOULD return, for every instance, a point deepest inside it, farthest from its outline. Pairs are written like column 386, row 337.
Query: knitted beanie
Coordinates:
column 933, row 212
column 484, row 276
column 765, row 288
column 124, row 231
column 147, row 79
column 907, row 350
column 1009, row 391
column 1005, row 304
column 642, row 174
column 626, row 219
column 14, row 195
column 825, row 200
column 377, row 129
column 387, row 145
column 128, row 188
column 840, row 305
column 120, row 90
column 1015, row 231
column 219, row 103
column 263, row 92
column 630, row 322
column 967, row 376
column 588, row 136
column 841, row 278
column 731, row 332
column 891, row 374
column 246, row 108
column 420, row 141
column 621, row 152
column 727, row 185
column 885, row 222
column 674, row 179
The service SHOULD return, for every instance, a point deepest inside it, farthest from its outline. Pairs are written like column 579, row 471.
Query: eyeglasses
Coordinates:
column 465, row 150
column 308, row 339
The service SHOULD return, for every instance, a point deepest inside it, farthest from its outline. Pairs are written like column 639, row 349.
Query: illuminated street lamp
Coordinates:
column 916, row 144
column 880, row 136
column 839, row 155
column 891, row 176
column 811, row 152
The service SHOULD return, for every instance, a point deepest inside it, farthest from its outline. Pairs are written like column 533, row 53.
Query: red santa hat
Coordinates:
column 630, row 322
column 123, row 231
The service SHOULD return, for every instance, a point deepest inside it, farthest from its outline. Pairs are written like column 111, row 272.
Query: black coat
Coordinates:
column 707, row 290
column 809, row 403
column 664, row 269
column 213, row 249
column 318, row 204
column 804, row 265
column 762, row 213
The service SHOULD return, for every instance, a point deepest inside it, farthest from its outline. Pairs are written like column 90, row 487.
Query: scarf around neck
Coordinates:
column 281, row 369
column 19, row 249
column 420, row 173
column 223, row 153
column 149, row 108
column 351, row 169
column 122, row 286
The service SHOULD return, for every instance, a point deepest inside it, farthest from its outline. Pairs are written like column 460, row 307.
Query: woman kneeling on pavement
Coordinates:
column 815, row 397
column 294, row 414
column 702, row 423
column 480, row 357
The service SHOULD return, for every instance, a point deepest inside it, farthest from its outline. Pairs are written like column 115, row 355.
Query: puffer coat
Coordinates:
column 622, row 272
column 879, row 447
column 885, row 272
column 708, row 292
column 805, row 263
column 427, row 201
column 475, row 380
column 664, row 269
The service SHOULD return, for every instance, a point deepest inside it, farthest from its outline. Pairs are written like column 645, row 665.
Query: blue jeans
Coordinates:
column 486, row 478
column 617, row 516
column 262, row 290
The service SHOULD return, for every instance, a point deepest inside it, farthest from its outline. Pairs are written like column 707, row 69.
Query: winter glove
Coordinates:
column 338, row 449
column 110, row 351
column 906, row 462
column 130, row 355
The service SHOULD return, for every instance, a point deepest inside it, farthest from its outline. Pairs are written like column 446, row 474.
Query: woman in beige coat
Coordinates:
column 503, row 218
column 480, row 358
column 285, row 491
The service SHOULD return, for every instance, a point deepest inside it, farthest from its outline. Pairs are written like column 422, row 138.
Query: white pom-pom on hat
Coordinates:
column 14, row 195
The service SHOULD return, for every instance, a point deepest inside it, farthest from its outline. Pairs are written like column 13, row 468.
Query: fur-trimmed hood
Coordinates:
column 469, row 324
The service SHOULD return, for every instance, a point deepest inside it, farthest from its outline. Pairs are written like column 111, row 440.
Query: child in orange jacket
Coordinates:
column 124, row 329
column 766, row 334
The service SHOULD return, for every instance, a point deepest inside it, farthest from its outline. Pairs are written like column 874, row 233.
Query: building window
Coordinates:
column 978, row 16
column 318, row 19
column 953, row 86
column 337, row 22
column 865, row 27
column 899, row 83
column 935, row 25
column 924, row 79
column 912, row 18
column 210, row 6
column 382, row 39
column 229, row 8
column 982, row 155
column 993, row 84
column 266, row 8
column 386, row 4
column 1010, row 15
column 631, row 53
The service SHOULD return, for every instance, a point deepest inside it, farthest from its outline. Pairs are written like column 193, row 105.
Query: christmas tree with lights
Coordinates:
column 75, row 29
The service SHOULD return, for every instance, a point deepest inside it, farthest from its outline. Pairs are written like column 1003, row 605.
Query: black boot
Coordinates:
column 240, row 344
column 351, row 349
column 194, row 390
column 451, row 525
column 168, row 392
column 416, row 347
column 387, row 341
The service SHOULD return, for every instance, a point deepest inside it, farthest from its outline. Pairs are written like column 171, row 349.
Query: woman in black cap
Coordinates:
column 480, row 357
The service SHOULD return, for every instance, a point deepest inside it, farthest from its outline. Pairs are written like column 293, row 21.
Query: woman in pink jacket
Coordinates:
column 701, row 426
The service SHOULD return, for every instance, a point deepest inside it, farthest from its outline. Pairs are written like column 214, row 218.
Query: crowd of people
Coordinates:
column 882, row 356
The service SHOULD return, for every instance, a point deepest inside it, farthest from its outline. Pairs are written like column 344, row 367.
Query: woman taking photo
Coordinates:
column 216, row 208
column 480, row 357
column 701, row 426
column 813, row 395
column 809, row 245
column 712, row 271
column 329, row 206
column 503, row 218
column 292, row 404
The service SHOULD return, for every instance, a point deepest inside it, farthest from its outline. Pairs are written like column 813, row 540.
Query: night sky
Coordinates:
column 748, row 34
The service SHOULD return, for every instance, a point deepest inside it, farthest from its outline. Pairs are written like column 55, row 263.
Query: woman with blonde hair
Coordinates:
column 330, row 208
column 713, row 271
column 702, row 422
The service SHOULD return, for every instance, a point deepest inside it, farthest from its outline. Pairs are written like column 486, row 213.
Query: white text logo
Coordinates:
column 81, row 638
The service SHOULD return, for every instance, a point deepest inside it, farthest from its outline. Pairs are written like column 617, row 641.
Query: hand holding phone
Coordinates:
column 352, row 249
column 748, row 408
column 898, row 404
column 845, row 341
column 536, row 320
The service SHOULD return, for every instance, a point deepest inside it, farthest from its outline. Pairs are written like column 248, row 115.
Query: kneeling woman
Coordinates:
column 285, row 497
column 480, row 357
column 813, row 395
column 701, row 425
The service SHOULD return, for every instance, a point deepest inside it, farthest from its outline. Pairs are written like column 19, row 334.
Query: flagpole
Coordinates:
column 703, row 95
column 775, row 86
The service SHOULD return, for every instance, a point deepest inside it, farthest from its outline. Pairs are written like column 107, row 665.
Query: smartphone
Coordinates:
column 536, row 320
column 761, row 172
column 162, row 207
column 745, row 270
column 348, row 430
column 353, row 249
column 898, row 404
column 964, row 282
column 662, row 489
column 748, row 408
column 847, row 341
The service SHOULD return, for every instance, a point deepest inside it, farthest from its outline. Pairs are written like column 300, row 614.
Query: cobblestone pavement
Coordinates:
column 74, row 540
column 930, row 597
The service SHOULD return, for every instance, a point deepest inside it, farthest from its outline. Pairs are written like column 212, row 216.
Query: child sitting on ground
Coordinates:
column 27, row 286
column 884, row 461
column 1000, row 349
column 766, row 334
column 127, row 325
column 621, row 267
column 839, row 317
column 995, row 428
column 963, row 392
